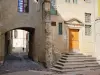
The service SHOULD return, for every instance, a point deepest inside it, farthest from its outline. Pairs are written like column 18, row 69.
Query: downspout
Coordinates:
column 94, row 32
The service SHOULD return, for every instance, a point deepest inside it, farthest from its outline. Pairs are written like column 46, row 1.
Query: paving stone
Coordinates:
column 19, row 62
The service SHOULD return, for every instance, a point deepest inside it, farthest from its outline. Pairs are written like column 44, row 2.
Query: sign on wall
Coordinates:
column 21, row 5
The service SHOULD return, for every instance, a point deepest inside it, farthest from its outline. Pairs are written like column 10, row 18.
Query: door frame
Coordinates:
column 72, row 49
column 80, row 28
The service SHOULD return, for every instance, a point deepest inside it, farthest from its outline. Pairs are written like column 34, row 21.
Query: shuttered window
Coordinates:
column 60, row 28
column 68, row 1
column 87, row 17
column 75, row 1
column 87, row 30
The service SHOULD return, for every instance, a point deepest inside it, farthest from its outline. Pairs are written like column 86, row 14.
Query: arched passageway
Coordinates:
column 17, row 60
column 9, row 40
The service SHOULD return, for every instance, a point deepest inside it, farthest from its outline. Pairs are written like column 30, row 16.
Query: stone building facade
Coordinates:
column 51, row 29
column 11, row 18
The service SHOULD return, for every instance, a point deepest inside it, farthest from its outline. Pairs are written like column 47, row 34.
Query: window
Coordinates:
column 88, row 1
column 60, row 28
column 87, row 30
column 23, row 6
column 67, row 1
column 53, row 23
column 87, row 17
column 53, row 10
column 75, row 1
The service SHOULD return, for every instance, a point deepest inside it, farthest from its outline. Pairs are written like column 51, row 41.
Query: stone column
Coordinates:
column 49, row 54
column 48, row 31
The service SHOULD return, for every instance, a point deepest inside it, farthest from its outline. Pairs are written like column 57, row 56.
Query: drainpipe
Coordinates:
column 94, row 32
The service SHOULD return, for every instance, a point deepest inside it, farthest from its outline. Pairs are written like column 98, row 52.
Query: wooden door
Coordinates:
column 73, row 39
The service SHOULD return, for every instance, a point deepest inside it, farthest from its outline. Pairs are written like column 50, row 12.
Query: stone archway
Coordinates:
column 31, row 31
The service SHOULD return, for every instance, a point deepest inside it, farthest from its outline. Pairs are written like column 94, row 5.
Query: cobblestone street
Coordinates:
column 19, row 62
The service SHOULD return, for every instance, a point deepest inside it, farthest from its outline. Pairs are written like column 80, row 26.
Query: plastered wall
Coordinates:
column 10, row 18
column 67, row 11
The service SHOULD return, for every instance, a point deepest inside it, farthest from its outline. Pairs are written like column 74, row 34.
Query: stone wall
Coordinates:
column 10, row 19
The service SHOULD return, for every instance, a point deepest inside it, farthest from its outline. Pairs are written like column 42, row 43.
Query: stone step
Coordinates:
column 83, row 65
column 63, row 55
column 58, row 66
column 57, row 70
column 69, row 70
column 76, row 69
column 76, row 63
column 82, row 69
column 65, row 70
column 79, row 60
column 79, row 63
column 83, row 58
column 75, row 66
column 72, row 53
column 60, row 63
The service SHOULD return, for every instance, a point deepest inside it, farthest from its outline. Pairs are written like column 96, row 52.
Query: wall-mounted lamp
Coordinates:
column 47, row 5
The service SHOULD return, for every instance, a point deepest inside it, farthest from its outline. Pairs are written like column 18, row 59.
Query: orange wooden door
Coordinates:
column 73, row 39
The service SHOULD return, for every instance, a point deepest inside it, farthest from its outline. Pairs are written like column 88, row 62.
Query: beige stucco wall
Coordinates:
column 10, row 18
column 97, row 39
column 58, row 40
column 68, row 11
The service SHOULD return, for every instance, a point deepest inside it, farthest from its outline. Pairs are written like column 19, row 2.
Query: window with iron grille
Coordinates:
column 60, row 28
column 75, row 1
column 68, row 1
column 88, row 30
column 23, row 6
column 87, row 17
